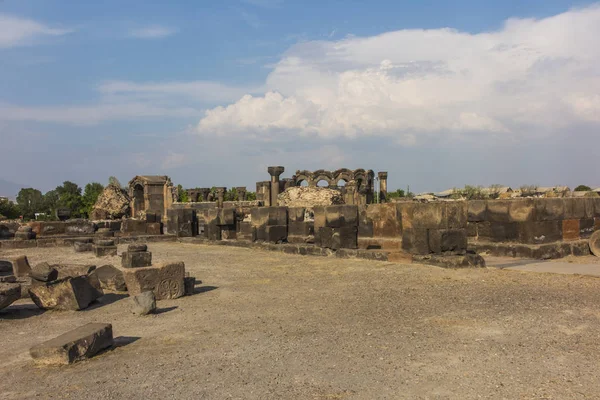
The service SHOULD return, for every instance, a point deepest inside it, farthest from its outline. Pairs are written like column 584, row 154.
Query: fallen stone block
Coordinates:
column 154, row 228
column 104, row 232
column 104, row 251
column 78, row 344
column 143, row 303
column 446, row 261
column 9, row 293
column 43, row 272
column 73, row 270
column 65, row 294
column 104, row 242
column 17, row 266
column 110, row 278
column 165, row 280
column 82, row 247
column 136, row 259
column 595, row 243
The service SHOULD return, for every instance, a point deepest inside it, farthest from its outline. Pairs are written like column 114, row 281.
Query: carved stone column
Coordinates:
column 220, row 196
column 275, row 172
column 241, row 192
column 382, row 186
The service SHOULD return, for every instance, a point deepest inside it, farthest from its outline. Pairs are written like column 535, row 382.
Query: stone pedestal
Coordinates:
column 382, row 186
column 220, row 196
column 241, row 192
column 275, row 172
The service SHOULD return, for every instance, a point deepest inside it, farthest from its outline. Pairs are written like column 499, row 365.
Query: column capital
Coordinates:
column 382, row 175
column 275, row 171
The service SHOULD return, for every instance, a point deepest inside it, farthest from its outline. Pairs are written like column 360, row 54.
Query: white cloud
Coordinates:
column 16, row 31
column 532, row 77
column 152, row 32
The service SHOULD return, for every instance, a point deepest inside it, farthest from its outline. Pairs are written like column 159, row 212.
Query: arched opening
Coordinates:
column 341, row 183
column 302, row 183
column 138, row 198
column 322, row 183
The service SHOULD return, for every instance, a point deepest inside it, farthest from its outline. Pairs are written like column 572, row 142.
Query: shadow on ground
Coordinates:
column 20, row 311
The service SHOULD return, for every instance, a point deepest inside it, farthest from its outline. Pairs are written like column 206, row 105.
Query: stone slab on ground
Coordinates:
column 9, row 293
column 105, row 251
column 78, row 344
column 17, row 266
column 65, row 294
column 44, row 272
column 555, row 267
column 136, row 259
column 165, row 280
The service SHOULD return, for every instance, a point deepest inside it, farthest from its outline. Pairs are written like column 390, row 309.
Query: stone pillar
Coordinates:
column 204, row 192
column 275, row 172
column 241, row 192
column 350, row 192
column 220, row 196
column 263, row 192
column 382, row 186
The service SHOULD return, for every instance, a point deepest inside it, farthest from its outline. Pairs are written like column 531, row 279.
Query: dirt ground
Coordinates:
column 266, row 325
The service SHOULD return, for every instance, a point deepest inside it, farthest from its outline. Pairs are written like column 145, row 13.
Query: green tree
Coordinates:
column 90, row 195
column 396, row 194
column 69, row 197
column 8, row 209
column 250, row 196
column 50, row 202
column 583, row 188
column 30, row 201
column 182, row 194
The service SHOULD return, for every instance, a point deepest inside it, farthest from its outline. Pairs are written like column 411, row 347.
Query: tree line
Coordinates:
column 68, row 196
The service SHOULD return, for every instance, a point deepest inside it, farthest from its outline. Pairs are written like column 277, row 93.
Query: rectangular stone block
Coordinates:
column 472, row 229
column 447, row 240
column 133, row 227
column 497, row 210
column 365, row 224
column 586, row 227
column 17, row 266
column 428, row 215
column 228, row 232
column 65, row 294
column 300, row 228
column 503, row 231
column 477, row 210
column 78, row 344
column 578, row 207
column 296, row 214
column 521, row 210
column 324, row 237
column 259, row 216
column 455, row 215
column 416, row 241
column 570, row 229
column 227, row 216
column 82, row 247
column 276, row 233
column 551, row 209
column 105, row 251
column 540, row 231
column 79, row 227
column 73, row 270
column 110, row 278
column 165, row 280
column 136, row 259
column 320, row 218
column 386, row 220
column 154, row 228
column 47, row 228
column 345, row 237
column 277, row 216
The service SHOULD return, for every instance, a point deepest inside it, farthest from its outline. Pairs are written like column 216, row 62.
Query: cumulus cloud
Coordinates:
column 152, row 32
column 531, row 77
column 16, row 31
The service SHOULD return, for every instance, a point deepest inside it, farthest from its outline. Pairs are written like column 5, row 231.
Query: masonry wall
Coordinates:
column 533, row 221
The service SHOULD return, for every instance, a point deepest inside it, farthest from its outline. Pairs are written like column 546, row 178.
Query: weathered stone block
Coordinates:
column 580, row 248
column 345, row 237
column 165, row 280
column 110, row 278
column 154, row 228
column 189, row 283
column 460, row 261
column 521, row 210
column 595, row 243
column 548, row 209
column 104, row 242
column 416, row 240
column 17, row 266
column 540, row 231
column 143, row 303
column 277, row 215
column 497, row 210
column 133, row 227
column 136, row 259
column 276, row 233
column 105, row 251
column 79, row 227
column 447, row 240
column 578, row 208
column 43, row 272
column 46, row 228
column 78, row 344
column 427, row 215
column 226, row 216
column 455, row 214
column 552, row 251
column 73, row 270
column 472, row 229
column 82, row 247
column 586, row 227
column 9, row 293
column 477, row 210
column 570, row 229
column 104, row 232
column 324, row 237
column 296, row 214
column 65, row 294
column 228, row 232
column 137, row 248
column 300, row 228
column 503, row 231
column 385, row 218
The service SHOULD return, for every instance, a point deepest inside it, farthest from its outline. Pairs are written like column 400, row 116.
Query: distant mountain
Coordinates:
column 9, row 189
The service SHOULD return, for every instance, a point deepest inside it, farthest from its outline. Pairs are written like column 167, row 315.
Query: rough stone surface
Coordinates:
column 82, row 247
column 132, row 248
column 110, row 278
column 78, row 344
column 9, row 293
column 43, row 272
column 113, row 203
column 65, row 294
column 17, row 266
column 143, row 303
column 73, row 270
column 165, row 280
column 136, row 259
column 190, row 285
column 299, row 196
column 595, row 243
column 105, row 251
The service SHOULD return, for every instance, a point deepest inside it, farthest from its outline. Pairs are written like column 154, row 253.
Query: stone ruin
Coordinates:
column 113, row 203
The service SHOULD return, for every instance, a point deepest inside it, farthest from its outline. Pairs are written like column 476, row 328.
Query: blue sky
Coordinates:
column 211, row 93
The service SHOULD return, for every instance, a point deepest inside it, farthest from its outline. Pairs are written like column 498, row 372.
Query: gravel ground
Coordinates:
column 265, row 325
